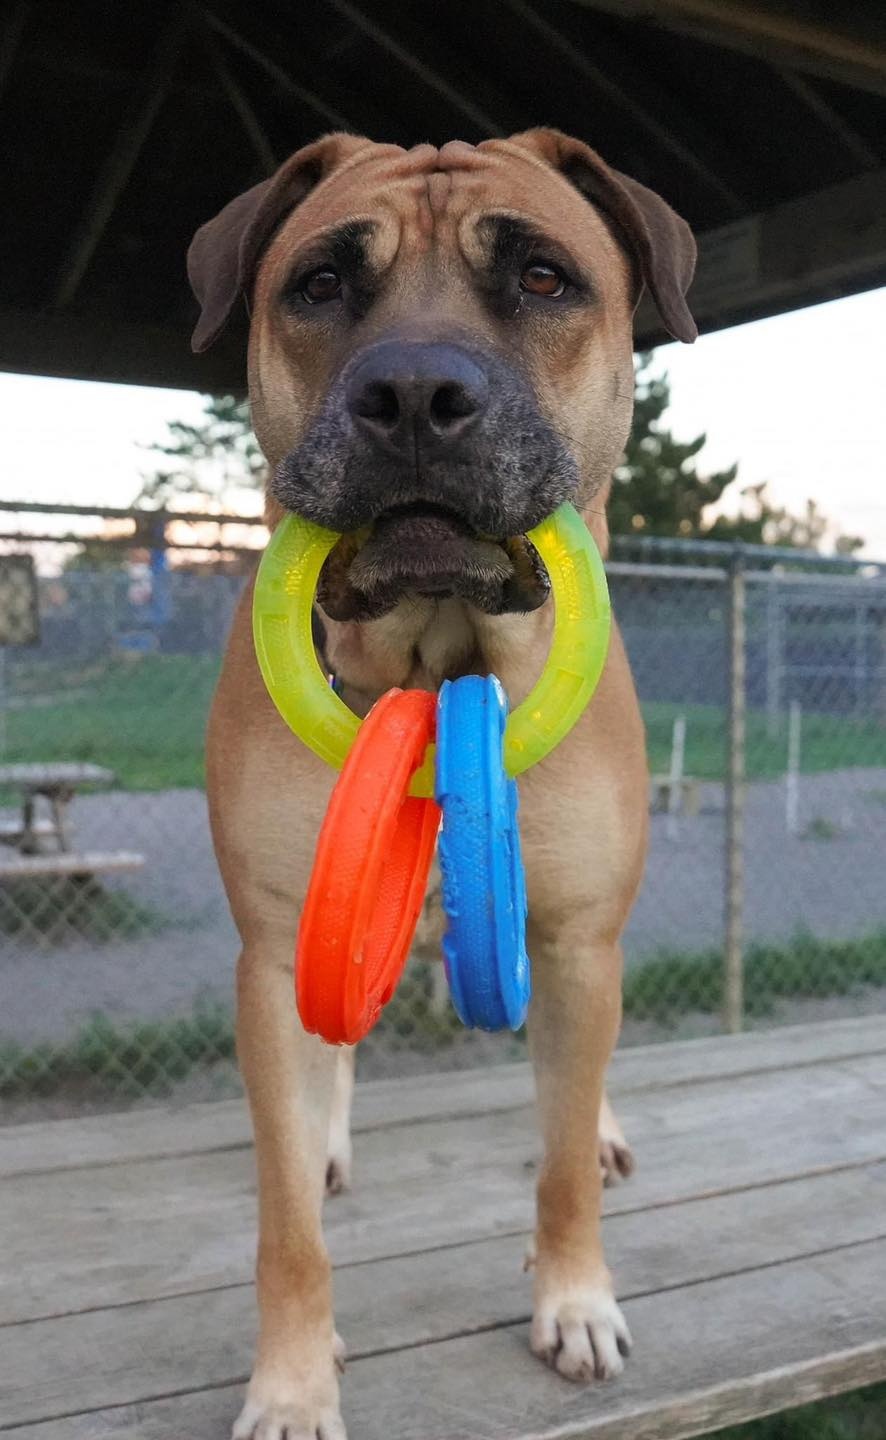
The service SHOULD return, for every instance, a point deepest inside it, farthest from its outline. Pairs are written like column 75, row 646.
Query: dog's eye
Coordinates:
column 321, row 285
column 540, row 278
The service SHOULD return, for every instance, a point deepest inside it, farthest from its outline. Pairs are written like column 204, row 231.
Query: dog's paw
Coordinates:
column 616, row 1160
column 581, row 1334
column 306, row 1409
column 338, row 1169
column 616, row 1156
column 287, row 1421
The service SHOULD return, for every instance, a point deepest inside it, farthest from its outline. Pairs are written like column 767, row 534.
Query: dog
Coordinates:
column 440, row 353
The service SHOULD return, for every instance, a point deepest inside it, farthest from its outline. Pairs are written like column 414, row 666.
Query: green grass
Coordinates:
column 829, row 742
column 145, row 1057
column 150, row 1056
column 860, row 1415
column 670, row 984
column 144, row 717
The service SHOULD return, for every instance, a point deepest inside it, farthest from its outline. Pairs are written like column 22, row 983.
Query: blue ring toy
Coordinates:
column 484, row 887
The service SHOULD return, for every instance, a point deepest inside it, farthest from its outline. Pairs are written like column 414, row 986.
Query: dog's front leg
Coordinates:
column 289, row 1076
column 577, row 1326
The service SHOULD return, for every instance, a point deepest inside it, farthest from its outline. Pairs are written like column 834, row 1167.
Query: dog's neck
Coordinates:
column 423, row 642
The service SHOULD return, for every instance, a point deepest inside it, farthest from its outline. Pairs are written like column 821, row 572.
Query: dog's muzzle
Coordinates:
column 433, row 460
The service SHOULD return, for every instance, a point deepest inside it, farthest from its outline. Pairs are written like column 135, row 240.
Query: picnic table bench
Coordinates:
column 42, row 846
column 749, row 1251
column 685, row 792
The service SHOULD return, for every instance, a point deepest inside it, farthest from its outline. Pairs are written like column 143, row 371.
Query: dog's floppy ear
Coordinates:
column 224, row 253
column 659, row 241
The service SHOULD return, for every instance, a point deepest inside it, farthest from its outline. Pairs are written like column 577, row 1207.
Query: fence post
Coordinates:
column 774, row 657
column 733, row 957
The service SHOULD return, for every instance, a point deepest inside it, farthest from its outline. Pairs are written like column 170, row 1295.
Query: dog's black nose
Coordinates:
column 407, row 394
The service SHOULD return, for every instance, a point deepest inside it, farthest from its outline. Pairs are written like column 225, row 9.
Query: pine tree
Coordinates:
column 657, row 489
column 212, row 459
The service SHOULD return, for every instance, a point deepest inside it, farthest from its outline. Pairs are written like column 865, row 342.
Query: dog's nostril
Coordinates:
column 451, row 401
column 378, row 401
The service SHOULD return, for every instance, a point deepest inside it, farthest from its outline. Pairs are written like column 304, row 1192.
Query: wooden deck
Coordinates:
column 750, row 1251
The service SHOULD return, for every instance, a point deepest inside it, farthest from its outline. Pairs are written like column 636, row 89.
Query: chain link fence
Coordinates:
column 763, row 901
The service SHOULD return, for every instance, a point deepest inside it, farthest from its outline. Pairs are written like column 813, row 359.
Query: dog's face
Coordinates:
column 440, row 353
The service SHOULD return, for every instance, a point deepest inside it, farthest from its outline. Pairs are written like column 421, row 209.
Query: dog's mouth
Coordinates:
column 428, row 550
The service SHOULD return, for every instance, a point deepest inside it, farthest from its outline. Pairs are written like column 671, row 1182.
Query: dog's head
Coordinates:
column 440, row 350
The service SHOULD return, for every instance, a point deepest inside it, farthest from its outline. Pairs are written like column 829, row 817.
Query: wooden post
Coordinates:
column 675, row 778
column 792, row 779
column 774, row 657
column 733, row 958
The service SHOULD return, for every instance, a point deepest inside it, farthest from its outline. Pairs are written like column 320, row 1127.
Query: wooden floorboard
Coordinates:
column 161, row 1227
column 706, row 1355
column 750, row 1249
column 433, row 1296
column 198, row 1129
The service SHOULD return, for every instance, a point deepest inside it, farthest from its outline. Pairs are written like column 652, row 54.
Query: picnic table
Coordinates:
column 749, row 1251
column 42, row 845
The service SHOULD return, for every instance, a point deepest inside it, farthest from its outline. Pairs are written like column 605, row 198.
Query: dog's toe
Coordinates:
column 338, row 1175
column 616, row 1160
column 287, row 1422
column 616, row 1155
column 293, row 1407
column 583, row 1337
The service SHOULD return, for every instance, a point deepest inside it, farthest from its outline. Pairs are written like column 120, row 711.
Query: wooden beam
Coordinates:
column 240, row 105
column 835, row 52
column 664, row 137
column 424, row 72
column 815, row 102
column 822, row 246
column 101, row 348
column 148, row 98
column 281, row 77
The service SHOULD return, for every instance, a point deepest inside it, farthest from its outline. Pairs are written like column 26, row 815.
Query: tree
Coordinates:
column 211, row 460
column 657, row 489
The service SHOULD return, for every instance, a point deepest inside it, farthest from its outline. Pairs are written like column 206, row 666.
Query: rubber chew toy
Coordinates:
column 377, row 840
column 370, row 874
column 484, row 890
column 284, row 594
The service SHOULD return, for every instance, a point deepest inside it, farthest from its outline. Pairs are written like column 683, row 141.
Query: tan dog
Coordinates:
column 440, row 352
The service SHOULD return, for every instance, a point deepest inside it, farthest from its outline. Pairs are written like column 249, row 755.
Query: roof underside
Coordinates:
column 124, row 126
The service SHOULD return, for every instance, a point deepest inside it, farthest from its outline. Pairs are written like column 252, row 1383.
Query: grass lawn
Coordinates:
column 829, row 742
column 860, row 1415
column 144, row 717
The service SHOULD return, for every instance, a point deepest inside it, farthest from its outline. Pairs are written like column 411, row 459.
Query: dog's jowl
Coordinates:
column 439, row 355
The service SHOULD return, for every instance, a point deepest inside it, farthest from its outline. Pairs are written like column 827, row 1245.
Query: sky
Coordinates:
column 798, row 400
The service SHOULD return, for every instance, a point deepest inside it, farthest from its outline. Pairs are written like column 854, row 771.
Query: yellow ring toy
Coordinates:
column 281, row 621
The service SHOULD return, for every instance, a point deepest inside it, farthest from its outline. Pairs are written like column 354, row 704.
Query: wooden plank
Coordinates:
column 218, row 1125
column 164, row 1227
column 101, row 347
column 417, row 1299
column 707, row 1355
column 69, row 862
column 848, row 49
column 819, row 246
column 146, row 95
column 33, row 776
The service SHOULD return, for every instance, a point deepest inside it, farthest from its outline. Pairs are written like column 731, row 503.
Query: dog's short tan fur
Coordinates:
column 582, row 811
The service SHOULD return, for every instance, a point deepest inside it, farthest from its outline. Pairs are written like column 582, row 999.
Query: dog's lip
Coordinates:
column 431, row 550
column 425, row 510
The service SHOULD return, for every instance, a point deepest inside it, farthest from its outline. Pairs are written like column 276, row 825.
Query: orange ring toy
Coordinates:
column 370, row 872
